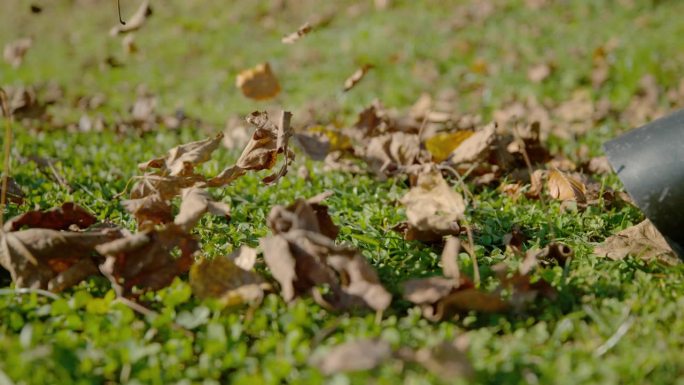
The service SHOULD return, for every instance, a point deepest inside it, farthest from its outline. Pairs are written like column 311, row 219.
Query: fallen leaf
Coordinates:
column 445, row 360
column 222, row 278
column 195, row 203
column 475, row 147
column 51, row 259
column 433, row 208
column 145, row 259
column 181, row 160
column 15, row 193
column 310, row 215
column 59, row 218
column 353, row 356
column 390, row 152
column 298, row 34
column 443, row 144
column 356, row 77
column 258, row 83
column 149, row 210
column 261, row 152
column 564, row 187
column 539, row 72
column 136, row 21
column 643, row 241
column 15, row 51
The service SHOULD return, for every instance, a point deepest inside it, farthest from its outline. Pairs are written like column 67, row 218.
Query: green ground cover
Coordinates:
column 189, row 55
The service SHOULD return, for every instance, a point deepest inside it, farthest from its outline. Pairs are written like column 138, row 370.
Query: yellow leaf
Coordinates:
column 258, row 83
column 443, row 144
column 565, row 187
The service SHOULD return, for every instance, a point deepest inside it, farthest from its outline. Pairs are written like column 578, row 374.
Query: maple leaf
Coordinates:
column 228, row 279
column 258, row 83
column 433, row 208
column 643, row 241
column 145, row 260
column 261, row 153
column 136, row 21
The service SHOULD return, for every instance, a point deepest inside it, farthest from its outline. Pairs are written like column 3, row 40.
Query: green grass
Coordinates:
column 190, row 54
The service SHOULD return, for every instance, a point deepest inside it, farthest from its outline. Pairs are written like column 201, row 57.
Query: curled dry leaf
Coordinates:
column 356, row 77
column 44, row 257
column 433, row 209
column 145, row 259
column 15, row 51
column 389, row 152
column 149, row 210
column 258, row 83
column 301, row 260
column 261, row 153
column 564, row 187
column 136, row 21
column 643, row 241
column 353, row 356
column 298, row 34
column 58, row 218
column 224, row 279
column 476, row 147
column 196, row 202
column 51, row 259
column 310, row 215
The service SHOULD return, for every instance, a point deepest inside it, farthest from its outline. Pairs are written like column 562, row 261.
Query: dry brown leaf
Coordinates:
column 310, row 215
column 222, row 278
column 258, row 83
column 539, row 72
column 445, row 360
column 51, row 259
column 643, row 241
column 195, row 203
column 599, row 165
column 15, row 51
column 433, row 208
column 128, row 44
column 353, row 356
column 315, row 146
column 356, row 77
column 302, row 260
column 261, row 153
column 449, row 259
column 149, row 210
column 564, row 187
column 145, row 260
column 298, row 34
column 14, row 194
column 182, row 159
column 389, row 152
column 59, row 218
column 136, row 21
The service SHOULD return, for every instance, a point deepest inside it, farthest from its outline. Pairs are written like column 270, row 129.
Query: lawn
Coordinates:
column 611, row 322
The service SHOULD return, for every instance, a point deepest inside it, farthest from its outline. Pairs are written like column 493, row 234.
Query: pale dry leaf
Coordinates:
column 195, row 203
column 389, row 152
column 58, row 218
column 565, row 187
column 539, row 72
column 223, row 279
column 353, row 356
column 244, row 257
column 298, row 34
column 643, row 241
column 258, row 83
column 449, row 259
column 476, row 147
column 356, row 77
column 446, row 361
column 15, row 51
column 136, row 21
column 433, row 208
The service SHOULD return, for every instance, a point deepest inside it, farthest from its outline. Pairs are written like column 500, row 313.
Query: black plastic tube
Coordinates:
column 650, row 164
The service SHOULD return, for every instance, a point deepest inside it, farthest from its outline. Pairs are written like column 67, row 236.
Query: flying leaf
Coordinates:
column 145, row 259
column 356, row 77
column 136, row 21
column 433, row 208
column 258, row 83
column 565, row 187
column 261, row 152
column 298, row 34
column 643, row 241
column 222, row 278
column 443, row 144
column 196, row 202
column 15, row 51
column 353, row 356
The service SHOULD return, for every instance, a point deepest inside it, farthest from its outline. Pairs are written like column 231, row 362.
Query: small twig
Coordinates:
column 615, row 338
column 473, row 256
column 6, row 159
column 26, row 290
column 118, row 6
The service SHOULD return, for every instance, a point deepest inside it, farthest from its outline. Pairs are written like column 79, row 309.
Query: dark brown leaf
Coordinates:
column 59, row 218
